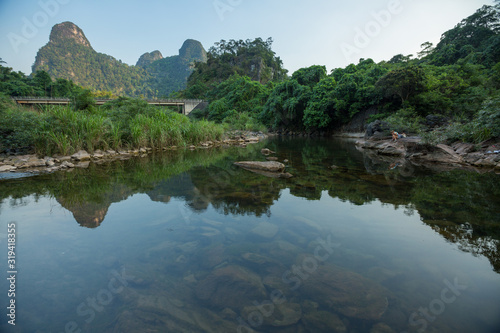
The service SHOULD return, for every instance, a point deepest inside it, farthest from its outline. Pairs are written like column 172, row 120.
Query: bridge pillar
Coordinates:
column 189, row 106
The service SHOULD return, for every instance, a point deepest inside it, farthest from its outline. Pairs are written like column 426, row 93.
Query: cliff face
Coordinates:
column 148, row 58
column 65, row 31
column 69, row 55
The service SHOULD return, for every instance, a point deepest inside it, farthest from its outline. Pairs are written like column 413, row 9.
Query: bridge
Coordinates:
column 186, row 105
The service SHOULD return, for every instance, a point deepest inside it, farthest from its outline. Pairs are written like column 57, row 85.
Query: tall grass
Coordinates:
column 61, row 130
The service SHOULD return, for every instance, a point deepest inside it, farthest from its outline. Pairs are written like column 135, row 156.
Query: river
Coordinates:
column 184, row 241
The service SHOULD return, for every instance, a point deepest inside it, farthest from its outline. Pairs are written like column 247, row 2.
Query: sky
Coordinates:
column 333, row 33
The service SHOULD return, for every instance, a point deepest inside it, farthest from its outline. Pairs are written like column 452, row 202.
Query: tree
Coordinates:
column 427, row 49
column 404, row 82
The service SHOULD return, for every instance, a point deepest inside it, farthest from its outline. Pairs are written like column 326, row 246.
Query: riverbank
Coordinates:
column 36, row 164
column 459, row 154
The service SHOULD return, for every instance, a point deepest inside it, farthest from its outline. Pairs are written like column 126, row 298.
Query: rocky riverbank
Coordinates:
column 459, row 154
column 34, row 164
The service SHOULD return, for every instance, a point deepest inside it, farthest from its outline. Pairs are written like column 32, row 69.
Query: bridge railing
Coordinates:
column 161, row 100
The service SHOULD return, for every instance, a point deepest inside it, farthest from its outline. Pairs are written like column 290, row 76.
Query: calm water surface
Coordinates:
column 186, row 242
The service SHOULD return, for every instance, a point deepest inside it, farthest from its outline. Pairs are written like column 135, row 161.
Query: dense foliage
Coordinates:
column 252, row 58
column 457, row 81
column 121, row 123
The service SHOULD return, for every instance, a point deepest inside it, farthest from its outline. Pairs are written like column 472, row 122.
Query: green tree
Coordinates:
column 403, row 82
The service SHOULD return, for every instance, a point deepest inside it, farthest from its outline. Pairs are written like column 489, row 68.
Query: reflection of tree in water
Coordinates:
column 447, row 200
column 235, row 191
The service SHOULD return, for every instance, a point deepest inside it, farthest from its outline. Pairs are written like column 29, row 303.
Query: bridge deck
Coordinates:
column 191, row 103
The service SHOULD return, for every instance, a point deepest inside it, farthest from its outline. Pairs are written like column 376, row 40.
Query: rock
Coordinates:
column 271, row 158
column 380, row 127
column 50, row 163
column 81, row 155
column 67, row 164
column 284, row 314
column 31, row 161
column 265, row 229
column 381, row 328
column 266, row 151
column 346, row 292
column 63, row 158
column 231, row 287
column 7, row 168
column 463, row 148
column 252, row 139
column 322, row 321
column 271, row 166
column 82, row 165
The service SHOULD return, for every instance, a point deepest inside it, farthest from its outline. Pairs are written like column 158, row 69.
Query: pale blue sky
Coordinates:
column 333, row 33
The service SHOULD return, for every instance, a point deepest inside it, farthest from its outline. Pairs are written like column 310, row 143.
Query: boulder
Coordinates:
column 280, row 315
column 265, row 229
column 323, row 321
column 271, row 166
column 380, row 127
column 346, row 292
column 81, row 155
column 231, row 287
column 266, row 151
column 7, row 168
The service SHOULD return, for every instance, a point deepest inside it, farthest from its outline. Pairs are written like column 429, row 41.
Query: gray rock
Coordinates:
column 265, row 229
column 323, row 321
column 271, row 166
column 278, row 315
column 81, row 155
column 231, row 287
column 266, row 151
column 346, row 292
column 7, row 168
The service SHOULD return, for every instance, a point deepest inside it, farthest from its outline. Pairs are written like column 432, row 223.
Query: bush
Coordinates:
column 243, row 121
column 487, row 121
column 405, row 120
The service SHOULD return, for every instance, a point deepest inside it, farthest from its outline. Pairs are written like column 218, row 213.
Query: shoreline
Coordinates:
column 19, row 166
column 457, row 155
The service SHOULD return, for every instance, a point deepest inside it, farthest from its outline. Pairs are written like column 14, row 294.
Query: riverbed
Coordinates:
column 184, row 241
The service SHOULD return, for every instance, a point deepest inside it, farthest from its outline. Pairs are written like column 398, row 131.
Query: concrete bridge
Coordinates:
column 186, row 105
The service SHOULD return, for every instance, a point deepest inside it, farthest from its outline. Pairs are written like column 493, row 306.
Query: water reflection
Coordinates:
column 207, row 246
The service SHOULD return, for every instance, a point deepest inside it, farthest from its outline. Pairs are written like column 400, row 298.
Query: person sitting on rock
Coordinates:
column 394, row 135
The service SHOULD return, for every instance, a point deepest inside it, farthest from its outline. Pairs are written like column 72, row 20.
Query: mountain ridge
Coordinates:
column 69, row 55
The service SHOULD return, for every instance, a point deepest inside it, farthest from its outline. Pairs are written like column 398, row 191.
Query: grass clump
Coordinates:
column 124, row 123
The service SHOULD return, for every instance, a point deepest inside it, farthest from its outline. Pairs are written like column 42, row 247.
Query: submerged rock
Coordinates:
column 346, row 292
column 322, row 321
column 266, row 230
column 271, row 166
column 231, row 287
column 277, row 315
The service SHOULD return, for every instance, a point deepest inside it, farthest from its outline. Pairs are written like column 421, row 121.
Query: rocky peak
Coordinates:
column 192, row 50
column 148, row 58
column 68, row 30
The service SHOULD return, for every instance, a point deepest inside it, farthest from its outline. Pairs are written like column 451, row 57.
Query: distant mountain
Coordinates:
column 69, row 55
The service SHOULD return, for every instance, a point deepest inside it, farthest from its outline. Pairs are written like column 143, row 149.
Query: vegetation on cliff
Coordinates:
column 69, row 55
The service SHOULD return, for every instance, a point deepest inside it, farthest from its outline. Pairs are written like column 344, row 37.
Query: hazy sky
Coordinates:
column 333, row 33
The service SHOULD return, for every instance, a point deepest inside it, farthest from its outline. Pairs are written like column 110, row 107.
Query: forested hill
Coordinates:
column 450, row 91
column 69, row 55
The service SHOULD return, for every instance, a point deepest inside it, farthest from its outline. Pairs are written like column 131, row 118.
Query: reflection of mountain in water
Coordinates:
column 449, row 201
column 91, row 214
